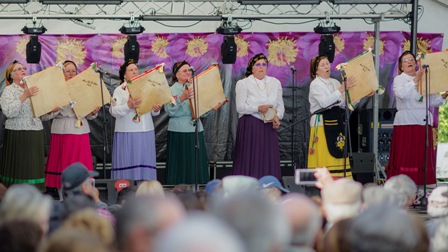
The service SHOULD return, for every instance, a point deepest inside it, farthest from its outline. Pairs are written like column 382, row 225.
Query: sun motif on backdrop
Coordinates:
column 242, row 47
column 422, row 45
column 282, row 51
column 21, row 46
column 339, row 44
column 369, row 43
column 158, row 47
column 71, row 49
column 197, row 47
column 118, row 47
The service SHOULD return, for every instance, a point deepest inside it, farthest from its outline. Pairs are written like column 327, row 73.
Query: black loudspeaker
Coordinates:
column 131, row 49
column 385, row 126
column 327, row 47
column 228, row 50
column 363, row 167
column 33, row 50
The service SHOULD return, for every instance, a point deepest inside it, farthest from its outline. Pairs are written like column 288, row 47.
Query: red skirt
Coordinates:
column 407, row 154
column 66, row 149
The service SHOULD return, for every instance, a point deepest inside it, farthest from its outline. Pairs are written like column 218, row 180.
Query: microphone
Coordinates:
column 319, row 111
column 100, row 70
column 424, row 66
column 191, row 68
column 293, row 68
column 343, row 73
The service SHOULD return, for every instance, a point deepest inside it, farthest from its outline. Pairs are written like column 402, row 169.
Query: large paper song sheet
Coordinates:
column 366, row 80
column 209, row 90
column 152, row 88
column 53, row 91
column 437, row 72
column 85, row 92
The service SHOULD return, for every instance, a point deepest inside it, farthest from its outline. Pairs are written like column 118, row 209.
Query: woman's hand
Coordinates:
column 276, row 123
column 264, row 108
column 56, row 109
column 444, row 95
column 217, row 106
column 95, row 111
column 28, row 92
column 350, row 82
column 186, row 94
column 134, row 103
column 156, row 108
column 418, row 76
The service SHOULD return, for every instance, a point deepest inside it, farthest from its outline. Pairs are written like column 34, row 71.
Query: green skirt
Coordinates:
column 181, row 159
column 23, row 158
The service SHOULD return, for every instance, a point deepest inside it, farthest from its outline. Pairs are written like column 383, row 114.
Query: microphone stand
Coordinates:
column 293, row 160
column 196, row 129
column 346, row 123
column 424, row 201
column 104, row 131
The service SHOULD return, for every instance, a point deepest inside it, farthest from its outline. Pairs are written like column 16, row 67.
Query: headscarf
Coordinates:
column 314, row 65
column 10, row 72
column 176, row 68
column 400, row 70
column 67, row 62
column 123, row 67
column 252, row 62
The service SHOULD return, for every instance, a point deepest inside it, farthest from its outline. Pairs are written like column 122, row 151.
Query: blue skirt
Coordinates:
column 257, row 152
column 134, row 156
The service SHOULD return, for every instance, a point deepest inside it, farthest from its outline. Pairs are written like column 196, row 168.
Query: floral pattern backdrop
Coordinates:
column 283, row 50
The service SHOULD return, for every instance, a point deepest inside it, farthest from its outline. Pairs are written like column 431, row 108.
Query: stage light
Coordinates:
column 284, row 2
column 371, row 1
column 228, row 50
column 81, row 1
column 132, row 47
column 132, row 30
column 33, row 47
column 327, row 47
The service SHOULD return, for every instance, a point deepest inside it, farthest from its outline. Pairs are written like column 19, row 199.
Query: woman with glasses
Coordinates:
column 23, row 147
column 70, row 142
column 181, row 155
column 408, row 137
column 134, row 147
column 326, row 144
column 257, row 151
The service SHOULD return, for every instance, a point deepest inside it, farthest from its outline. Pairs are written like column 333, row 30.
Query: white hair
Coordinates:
column 438, row 202
column 377, row 195
column 199, row 232
column 403, row 187
column 439, row 241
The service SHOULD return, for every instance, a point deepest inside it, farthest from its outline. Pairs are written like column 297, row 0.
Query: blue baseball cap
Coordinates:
column 211, row 185
column 267, row 182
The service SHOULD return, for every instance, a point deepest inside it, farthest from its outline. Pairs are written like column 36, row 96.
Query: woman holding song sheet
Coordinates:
column 408, row 138
column 260, row 108
column 134, row 149
column 70, row 142
column 23, row 148
column 180, row 157
column 326, row 144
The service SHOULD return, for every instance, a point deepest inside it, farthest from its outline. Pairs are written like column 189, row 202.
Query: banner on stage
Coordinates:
column 53, row 91
column 151, row 87
column 437, row 66
column 362, row 68
column 85, row 92
column 209, row 91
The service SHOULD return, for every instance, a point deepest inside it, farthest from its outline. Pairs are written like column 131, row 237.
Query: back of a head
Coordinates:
column 383, row 228
column 304, row 217
column 374, row 195
column 72, row 240
column 150, row 188
column 403, row 187
column 259, row 222
column 438, row 202
column 341, row 199
column 236, row 184
column 199, row 233
column 20, row 236
column 439, row 243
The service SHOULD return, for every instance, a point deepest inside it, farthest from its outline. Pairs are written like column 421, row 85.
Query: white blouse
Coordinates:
column 410, row 110
column 64, row 122
column 251, row 93
column 124, row 115
column 19, row 115
column 323, row 93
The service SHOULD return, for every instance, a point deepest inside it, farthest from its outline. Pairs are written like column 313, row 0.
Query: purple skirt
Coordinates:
column 257, row 152
column 134, row 156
